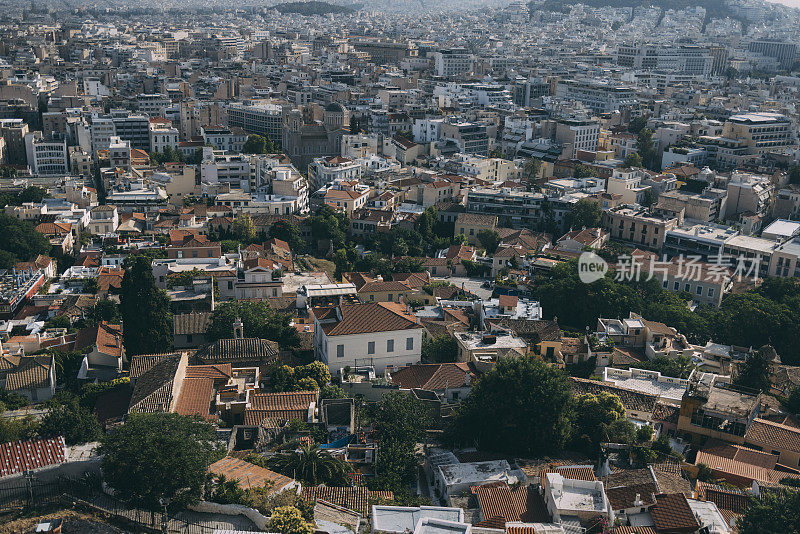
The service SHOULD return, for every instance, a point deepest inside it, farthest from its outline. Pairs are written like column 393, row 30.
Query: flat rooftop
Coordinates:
column 405, row 518
column 651, row 382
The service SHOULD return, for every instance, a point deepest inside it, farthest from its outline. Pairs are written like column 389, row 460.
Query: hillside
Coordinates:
column 714, row 8
column 313, row 8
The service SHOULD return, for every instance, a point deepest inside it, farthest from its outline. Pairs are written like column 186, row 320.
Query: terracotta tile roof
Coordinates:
column 508, row 301
column 666, row 413
column 742, row 473
column 249, row 475
column 283, row 406
column 31, row 372
column 370, row 317
column 54, row 228
column 191, row 323
column 195, row 398
column 219, row 371
column 434, row 376
column 632, row 400
column 240, row 351
column 776, row 435
column 634, row 530
column 153, row 390
column 20, row 456
column 672, row 513
column 736, row 501
column 106, row 337
column 357, row 499
column 109, row 279
column 623, row 497
column 742, row 454
column 141, row 363
column 519, row 504
column 572, row 473
column 413, row 280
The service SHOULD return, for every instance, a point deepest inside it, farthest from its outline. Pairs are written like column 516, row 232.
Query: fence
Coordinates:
column 27, row 494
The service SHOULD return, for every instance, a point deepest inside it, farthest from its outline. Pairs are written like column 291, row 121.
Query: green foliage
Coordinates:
column 792, row 401
column 772, row 512
column 644, row 433
column 105, row 309
column 12, row 400
column 243, row 228
column 704, row 473
column 584, row 171
column 226, row 491
column 521, row 406
column 31, row 193
column 794, row 174
column 593, row 416
column 155, row 456
column 439, row 349
column 489, row 240
column 145, row 310
column 19, row 241
column 330, row 224
column 258, row 144
column 531, row 169
column 332, row 391
column 680, row 367
column 286, row 231
column 650, row 197
column 289, row 520
column 59, row 321
column 585, row 213
column 633, row 160
column 184, row 278
column 399, row 421
column 637, row 124
column 755, row 373
column 311, row 465
column 316, row 371
column 258, row 320
column 78, row 425
column 90, row 286
column 18, row 429
column 646, row 148
column 169, row 155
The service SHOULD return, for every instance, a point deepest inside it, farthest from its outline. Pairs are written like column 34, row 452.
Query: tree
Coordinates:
column 258, row 320
column 633, row 160
column 772, row 512
column 792, row 402
column 159, row 456
column 489, row 240
column 637, row 124
column 311, row 465
column 755, row 372
column 316, row 371
column 531, row 169
column 585, row 213
column 289, row 520
column 680, row 367
column 226, row 491
column 399, row 421
column 20, row 241
column 286, row 231
column 243, row 228
column 18, row 429
column 332, row 391
column 647, row 149
column 78, row 425
column 105, row 309
column 255, row 144
column 145, row 310
column 584, row 171
column 592, row 418
column 439, row 349
column 521, row 406
column 650, row 197
column 794, row 174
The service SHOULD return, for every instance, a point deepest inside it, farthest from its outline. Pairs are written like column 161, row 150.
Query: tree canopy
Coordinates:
column 521, row 406
column 19, row 241
column 258, row 320
column 159, row 456
column 773, row 512
column 311, row 466
column 585, row 213
column 145, row 310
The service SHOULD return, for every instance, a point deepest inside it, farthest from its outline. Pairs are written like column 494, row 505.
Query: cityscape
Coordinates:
column 400, row 267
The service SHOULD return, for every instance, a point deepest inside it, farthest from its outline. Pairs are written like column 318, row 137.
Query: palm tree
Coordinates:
column 311, row 465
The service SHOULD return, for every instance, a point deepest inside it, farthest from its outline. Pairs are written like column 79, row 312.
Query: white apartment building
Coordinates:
column 323, row 171
column 453, row 62
column 103, row 130
column 597, row 96
column 262, row 119
column 233, row 169
column 229, row 140
column 379, row 335
column 46, row 157
column 152, row 104
column 162, row 136
column 628, row 183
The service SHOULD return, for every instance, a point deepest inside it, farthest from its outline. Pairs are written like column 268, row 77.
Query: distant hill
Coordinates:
column 313, row 8
column 715, row 9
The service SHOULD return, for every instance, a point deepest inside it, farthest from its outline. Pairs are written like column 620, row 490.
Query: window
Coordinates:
column 230, row 285
column 409, row 343
column 710, row 292
column 371, row 347
column 390, row 345
column 699, row 290
column 687, row 287
column 188, row 338
column 372, row 298
column 665, row 283
column 391, row 297
column 340, row 351
column 676, row 286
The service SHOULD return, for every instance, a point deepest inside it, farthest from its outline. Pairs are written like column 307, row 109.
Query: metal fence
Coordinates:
column 28, row 494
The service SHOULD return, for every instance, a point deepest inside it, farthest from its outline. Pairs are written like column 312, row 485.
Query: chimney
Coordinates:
column 638, row 500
